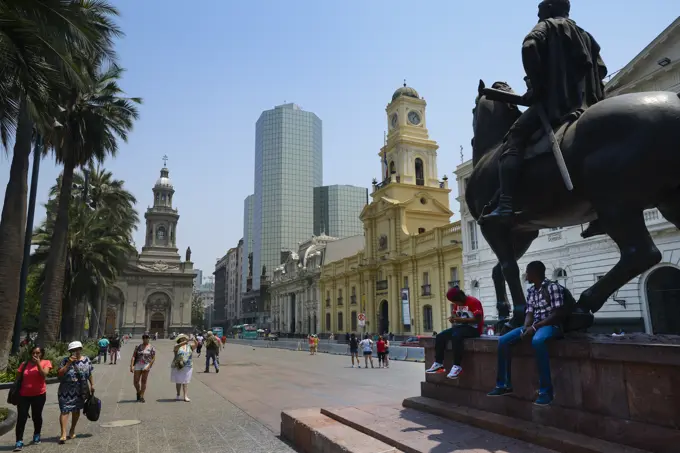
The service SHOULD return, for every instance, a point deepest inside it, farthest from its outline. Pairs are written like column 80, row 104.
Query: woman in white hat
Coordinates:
column 75, row 373
column 182, row 366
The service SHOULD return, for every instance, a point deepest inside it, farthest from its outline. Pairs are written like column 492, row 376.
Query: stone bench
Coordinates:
column 621, row 390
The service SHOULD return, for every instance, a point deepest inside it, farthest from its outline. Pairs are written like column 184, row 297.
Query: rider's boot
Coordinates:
column 508, row 171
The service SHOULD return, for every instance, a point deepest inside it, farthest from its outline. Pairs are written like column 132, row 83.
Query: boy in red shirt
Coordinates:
column 467, row 317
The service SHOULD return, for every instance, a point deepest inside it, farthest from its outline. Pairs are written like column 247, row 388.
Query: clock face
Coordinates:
column 394, row 120
column 414, row 117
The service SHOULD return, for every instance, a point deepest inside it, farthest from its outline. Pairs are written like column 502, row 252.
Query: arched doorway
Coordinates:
column 158, row 314
column 384, row 318
column 663, row 300
column 157, row 324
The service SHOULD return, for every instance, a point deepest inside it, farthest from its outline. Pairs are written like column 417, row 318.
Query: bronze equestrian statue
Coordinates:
column 622, row 155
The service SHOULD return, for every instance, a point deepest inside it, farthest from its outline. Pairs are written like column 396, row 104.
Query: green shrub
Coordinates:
column 4, row 412
column 54, row 354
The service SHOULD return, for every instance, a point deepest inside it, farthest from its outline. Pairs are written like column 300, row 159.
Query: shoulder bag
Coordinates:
column 13, row 395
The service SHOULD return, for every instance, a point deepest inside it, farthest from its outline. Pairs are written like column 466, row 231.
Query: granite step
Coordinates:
column 544, row 436
column 309, row 431
column 414, row 431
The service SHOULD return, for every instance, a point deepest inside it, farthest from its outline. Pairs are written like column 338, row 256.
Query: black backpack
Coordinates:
column 569, row 301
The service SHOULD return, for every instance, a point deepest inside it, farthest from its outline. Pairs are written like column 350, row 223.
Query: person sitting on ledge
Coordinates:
column 544, row 316
column 467, row 317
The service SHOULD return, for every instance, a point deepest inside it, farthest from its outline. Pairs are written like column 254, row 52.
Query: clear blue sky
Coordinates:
column 207, row 71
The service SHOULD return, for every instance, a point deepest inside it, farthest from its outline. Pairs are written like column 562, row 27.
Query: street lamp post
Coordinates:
column 37, row 156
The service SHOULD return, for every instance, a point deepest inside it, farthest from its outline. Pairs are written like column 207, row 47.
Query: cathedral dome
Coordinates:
column 405, row 91
column 164, row 180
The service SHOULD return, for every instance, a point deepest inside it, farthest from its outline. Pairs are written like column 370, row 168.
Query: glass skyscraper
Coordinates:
column 288, row 165
column 247, row 239
column 337, row 209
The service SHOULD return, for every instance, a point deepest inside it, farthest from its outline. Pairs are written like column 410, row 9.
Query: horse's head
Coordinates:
column 491, row 120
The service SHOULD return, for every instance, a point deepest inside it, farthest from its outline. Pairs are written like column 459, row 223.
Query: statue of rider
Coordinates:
column 564, row 76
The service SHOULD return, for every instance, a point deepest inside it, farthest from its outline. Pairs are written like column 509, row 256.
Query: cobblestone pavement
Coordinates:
column 207, row 424
column 263, row 381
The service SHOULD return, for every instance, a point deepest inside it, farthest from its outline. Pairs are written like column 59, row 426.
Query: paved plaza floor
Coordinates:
column 265, row 381
column 207, row 424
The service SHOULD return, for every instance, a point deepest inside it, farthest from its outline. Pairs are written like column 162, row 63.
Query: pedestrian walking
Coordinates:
column 114, row 349
column 103, row 344
column 182, row 365
column 76, row 386
column 354, row 350
column 212, row 352
column 142, row 360
column 367, row 347
column 199, row 343
column 32, row 395
column 382, row 347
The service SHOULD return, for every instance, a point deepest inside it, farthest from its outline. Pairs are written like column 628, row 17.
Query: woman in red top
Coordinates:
column 32, row 394
column 382, row 347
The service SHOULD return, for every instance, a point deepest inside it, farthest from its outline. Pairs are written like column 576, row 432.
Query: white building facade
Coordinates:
column 294, row 292
column 650, row 302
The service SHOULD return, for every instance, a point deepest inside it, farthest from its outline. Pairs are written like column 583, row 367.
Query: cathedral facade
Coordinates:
column 154, row 292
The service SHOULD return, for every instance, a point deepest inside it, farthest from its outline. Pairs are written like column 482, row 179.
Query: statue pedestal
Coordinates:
column 622, row 390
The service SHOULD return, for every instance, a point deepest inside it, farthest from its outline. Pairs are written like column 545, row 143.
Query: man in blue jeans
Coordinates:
column 544, row 316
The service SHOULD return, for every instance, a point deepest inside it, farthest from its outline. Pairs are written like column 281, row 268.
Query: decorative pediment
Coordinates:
column 418, row 199
column 648, row 63
column 158, row 266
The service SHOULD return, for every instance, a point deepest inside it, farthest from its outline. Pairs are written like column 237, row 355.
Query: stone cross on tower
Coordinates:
column 165, row 160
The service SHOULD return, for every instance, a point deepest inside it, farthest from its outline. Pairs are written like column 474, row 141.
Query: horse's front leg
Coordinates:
column 509, row 246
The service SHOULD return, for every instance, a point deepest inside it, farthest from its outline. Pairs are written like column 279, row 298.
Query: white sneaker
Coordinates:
column 177, row 398
column 435, row 368
column 455, row 372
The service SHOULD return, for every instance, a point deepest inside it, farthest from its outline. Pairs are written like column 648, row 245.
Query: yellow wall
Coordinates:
column 435, row 252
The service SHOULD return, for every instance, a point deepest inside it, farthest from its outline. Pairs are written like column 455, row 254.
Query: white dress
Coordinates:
column 182, row 376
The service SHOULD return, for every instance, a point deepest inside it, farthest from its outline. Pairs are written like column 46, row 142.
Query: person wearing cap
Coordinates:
column 75, row 387
column 212, row 351
column 467, row 319
column 182, row 365
column 142, row 360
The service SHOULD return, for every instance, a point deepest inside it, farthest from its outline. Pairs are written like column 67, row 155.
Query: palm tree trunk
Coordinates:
column 55, row 268
column 12, row 229
column 102, row 312
column 81, row 308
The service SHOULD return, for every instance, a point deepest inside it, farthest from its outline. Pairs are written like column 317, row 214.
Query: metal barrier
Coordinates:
column 415, row 355
column 399, row 353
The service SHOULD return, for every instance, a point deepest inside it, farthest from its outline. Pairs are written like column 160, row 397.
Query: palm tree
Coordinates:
column 93, row 121
column 37, row 40
column 99, row 243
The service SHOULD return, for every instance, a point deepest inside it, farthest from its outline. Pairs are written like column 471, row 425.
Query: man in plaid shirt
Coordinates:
column 544, row 316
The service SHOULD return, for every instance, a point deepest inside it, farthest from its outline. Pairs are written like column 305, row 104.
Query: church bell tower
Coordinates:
column 409, row 198
column 161, row 223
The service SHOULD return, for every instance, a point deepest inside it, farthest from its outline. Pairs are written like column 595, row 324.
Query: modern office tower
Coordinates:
column 288, row 165
column 337, row 209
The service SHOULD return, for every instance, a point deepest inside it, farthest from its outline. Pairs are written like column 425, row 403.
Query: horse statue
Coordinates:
column 623, row 155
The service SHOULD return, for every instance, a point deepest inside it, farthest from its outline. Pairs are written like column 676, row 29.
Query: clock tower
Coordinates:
column 161, row 223
column 409, row 198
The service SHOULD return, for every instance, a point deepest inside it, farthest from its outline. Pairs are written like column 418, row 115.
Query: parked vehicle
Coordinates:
column 412, row 341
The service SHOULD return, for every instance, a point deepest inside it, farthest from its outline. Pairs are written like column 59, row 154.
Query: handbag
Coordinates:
column 180, row 360
column 13, row 396
column 92, row 408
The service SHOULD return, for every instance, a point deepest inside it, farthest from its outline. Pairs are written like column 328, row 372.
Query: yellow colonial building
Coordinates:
column 412, row 252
